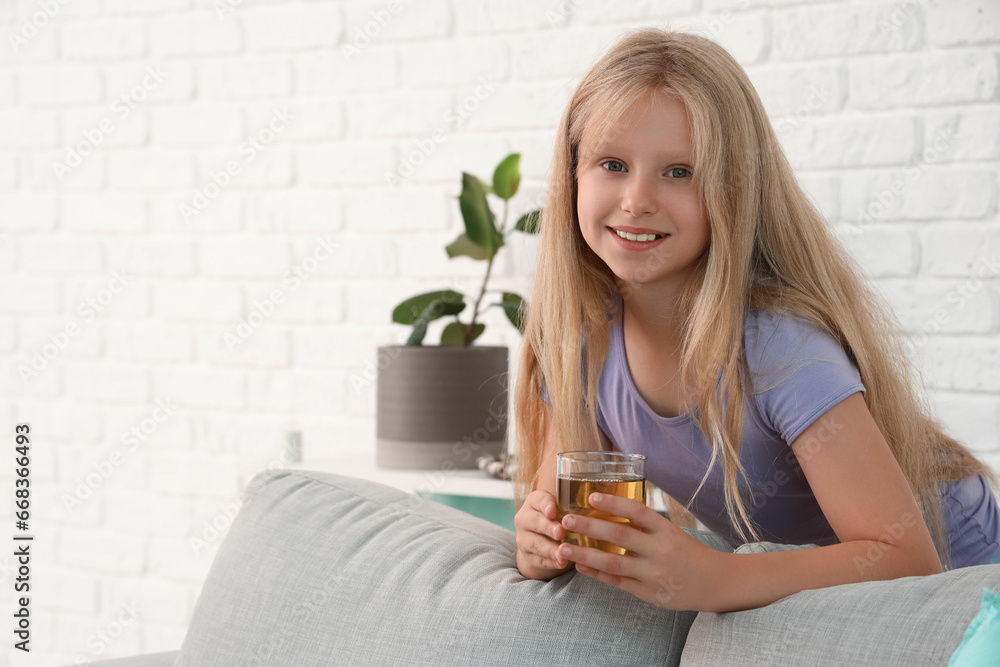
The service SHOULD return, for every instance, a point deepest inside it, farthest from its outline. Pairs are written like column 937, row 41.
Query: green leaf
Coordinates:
column 454, row 333
column 450, row 303
column 435, row 309
column 463, row 245
column 512, row 307
column 507, row 176
column 480, row 226
column 529, row 222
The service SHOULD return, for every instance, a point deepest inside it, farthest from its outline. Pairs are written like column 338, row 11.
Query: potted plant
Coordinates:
column 443, row 406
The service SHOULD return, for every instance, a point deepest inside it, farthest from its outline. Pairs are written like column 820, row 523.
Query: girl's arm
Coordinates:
column 860, row 489
column 866, row 500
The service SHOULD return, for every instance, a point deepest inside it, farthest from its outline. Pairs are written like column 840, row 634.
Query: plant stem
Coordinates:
column 470, row 329
column 503, row 225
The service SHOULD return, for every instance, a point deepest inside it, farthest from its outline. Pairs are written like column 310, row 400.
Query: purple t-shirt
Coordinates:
column 799, row 374
column 803, row 373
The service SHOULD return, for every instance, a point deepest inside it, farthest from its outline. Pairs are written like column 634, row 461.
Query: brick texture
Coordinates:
column 172, row 170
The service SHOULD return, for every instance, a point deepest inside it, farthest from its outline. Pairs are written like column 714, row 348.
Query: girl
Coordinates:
column 726, row 335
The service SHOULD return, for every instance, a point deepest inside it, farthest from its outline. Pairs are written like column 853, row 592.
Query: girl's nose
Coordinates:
column 639, row 197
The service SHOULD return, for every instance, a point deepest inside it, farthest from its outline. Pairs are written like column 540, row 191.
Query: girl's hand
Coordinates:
column 665, row 566
column 538, row 536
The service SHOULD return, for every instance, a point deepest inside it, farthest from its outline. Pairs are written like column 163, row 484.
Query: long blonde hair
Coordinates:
column 770, row 249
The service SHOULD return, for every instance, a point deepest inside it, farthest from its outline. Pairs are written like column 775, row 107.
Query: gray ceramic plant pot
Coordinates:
column 440, row 407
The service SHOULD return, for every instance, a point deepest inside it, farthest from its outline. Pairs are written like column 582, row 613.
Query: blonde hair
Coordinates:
column 770, row 249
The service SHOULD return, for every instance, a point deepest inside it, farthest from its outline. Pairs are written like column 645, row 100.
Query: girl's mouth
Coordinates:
column 641, row 238
column 632, row 241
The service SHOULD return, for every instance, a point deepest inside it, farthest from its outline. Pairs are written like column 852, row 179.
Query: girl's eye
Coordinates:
column 684, row 173
column 613, row 165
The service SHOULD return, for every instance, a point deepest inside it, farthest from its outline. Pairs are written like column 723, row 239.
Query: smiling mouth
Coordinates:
column 642, row 238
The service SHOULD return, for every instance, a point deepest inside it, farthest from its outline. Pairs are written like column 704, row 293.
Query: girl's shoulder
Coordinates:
column 797, row 371
column 775, row 339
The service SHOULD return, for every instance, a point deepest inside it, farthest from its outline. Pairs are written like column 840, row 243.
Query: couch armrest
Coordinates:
column 322, row 569
column 908, row 622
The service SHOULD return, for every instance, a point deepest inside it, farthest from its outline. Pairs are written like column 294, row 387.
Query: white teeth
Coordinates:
column 637, row 237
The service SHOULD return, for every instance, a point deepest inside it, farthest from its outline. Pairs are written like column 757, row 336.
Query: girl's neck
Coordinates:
column 655, row 317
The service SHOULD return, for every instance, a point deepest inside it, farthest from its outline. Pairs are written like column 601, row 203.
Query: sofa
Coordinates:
column 321, row 569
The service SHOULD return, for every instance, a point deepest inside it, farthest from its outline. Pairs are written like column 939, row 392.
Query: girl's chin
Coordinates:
column 635, row 281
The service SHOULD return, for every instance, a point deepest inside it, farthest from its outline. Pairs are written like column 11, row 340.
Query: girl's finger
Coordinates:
column 613, row 565
column 538, row 560
column 543, row 526
column 638, row 513
column 620, row 534
column 539, row 546
column 627, row 584
column 545, row 504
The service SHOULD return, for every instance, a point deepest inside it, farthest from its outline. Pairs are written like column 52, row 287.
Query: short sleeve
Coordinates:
column 799, row 372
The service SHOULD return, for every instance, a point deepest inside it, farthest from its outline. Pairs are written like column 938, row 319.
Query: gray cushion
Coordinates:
column 320, row 569
column 165, row 659
column 907, row 622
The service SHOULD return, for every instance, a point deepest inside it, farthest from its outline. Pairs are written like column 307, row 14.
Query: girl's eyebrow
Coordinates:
column 607, row 148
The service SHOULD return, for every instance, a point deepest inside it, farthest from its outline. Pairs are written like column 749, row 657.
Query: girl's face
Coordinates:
column 636, row 181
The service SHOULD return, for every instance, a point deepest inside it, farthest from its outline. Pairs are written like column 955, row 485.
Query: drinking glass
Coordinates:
column 579, row 474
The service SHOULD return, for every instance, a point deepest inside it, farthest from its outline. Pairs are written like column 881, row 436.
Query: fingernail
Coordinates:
column 555, row 533
column 596, row 497
column 567, row 552
column 570, row 521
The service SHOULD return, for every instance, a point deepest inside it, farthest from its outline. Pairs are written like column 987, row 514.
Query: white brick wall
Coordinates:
column 890, row 112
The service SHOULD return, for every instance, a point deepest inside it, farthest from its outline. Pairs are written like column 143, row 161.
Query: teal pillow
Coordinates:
column 981, row 644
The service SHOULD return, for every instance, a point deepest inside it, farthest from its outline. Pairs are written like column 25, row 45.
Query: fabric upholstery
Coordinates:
column 908, row 622
column 320, row 569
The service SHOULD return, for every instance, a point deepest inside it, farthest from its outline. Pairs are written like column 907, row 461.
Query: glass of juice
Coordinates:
column 579, row 474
